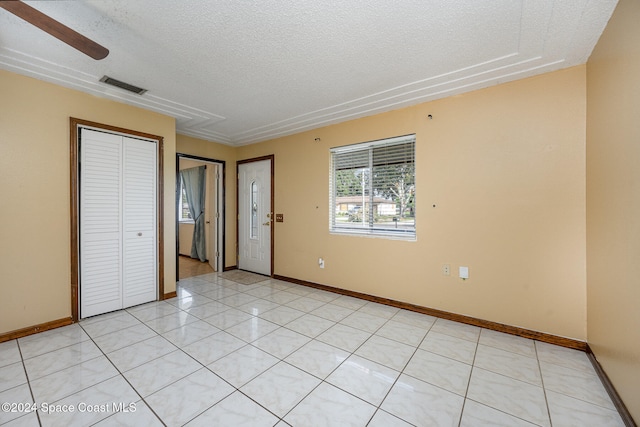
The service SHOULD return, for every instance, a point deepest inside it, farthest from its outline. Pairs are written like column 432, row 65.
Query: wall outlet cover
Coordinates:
column 446, row 269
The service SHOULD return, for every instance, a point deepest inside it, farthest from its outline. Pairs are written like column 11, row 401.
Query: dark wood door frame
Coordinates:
column 222, row 214
column 270, row 157
column 74, row 125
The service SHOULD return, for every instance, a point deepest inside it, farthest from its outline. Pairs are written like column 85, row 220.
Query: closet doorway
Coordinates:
column 116, row 218
column 199, row 216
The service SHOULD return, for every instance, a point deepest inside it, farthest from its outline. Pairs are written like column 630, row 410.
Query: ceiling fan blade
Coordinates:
column 55, row 28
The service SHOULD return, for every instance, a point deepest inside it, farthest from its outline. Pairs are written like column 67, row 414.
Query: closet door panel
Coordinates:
column 100, row 223
column 139, row 279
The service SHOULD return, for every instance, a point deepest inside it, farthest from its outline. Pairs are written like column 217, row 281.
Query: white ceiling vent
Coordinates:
column 122, row 85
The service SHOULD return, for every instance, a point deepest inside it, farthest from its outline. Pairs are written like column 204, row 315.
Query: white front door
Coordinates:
column 255, row 216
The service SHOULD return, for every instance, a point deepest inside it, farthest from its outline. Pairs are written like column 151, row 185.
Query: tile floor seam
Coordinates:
column 544, row 389
column 396, row 381
column 206, row 409
column 500, row 410
column 62, row 369
column 408, row 360
column 378, row 407
column 313, row 338
column 368, row 308
column 435, row 385
column 178, row 348
column 258, row 403
column 508, row 351
column 466, row 393
column 582, row 400
column 324, row 381
column 312, row 374
column 301, row 400
column 454, row 336
column 520, row 381
column 124, row 378
column 33, row 399
column 237, row 389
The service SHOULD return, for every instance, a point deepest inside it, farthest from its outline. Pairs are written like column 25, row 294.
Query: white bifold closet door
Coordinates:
column 118, row 261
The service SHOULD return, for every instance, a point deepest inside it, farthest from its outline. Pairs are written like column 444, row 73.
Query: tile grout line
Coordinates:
column 24, row 367
column 324, row 380
column 280, row 419
column 122, row 375
column 379, row 407
column 466, row 393
column 497, row 373
column 544, row 389
column 354, row 353
column 54, row 372
column 236, row 389
column 387, row 320
column 178, row 348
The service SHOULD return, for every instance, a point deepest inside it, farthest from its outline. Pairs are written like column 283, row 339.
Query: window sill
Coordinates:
column 372, row 235
column 186, row 221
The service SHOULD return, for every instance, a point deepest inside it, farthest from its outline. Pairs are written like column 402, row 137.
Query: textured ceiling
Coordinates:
column 241, row 71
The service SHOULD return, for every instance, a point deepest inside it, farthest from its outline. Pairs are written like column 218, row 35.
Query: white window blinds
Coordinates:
column 372, row 188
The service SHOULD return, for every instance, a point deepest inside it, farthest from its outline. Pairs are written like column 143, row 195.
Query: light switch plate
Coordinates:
column 279, row 217
column 463, row 272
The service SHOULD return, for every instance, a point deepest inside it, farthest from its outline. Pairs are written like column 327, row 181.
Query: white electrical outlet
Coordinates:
column 446, row 270
column 321, row 262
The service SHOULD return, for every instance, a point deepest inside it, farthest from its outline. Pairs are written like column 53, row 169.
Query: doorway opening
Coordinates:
column 199, row 215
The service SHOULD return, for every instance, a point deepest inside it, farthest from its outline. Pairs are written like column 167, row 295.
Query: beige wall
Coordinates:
column 505, row 169
column 34, row 172
column 613, row 202
column 185, row 239
column 227, row 154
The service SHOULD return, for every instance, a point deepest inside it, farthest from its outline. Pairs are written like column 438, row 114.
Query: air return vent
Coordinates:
column 122, row 85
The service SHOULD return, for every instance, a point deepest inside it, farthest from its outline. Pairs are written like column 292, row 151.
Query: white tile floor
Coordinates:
column 275, row 353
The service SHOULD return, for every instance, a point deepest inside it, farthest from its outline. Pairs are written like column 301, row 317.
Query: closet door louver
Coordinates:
column 139, row 282
column 100, row 223
column 117, row 222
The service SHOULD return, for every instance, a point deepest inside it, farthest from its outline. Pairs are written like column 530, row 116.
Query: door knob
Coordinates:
column 267, row 223
column 139, row 234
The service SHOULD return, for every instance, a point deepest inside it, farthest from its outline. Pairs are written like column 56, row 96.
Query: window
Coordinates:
column 372, row 188
column 184, row 214
column 254, row 211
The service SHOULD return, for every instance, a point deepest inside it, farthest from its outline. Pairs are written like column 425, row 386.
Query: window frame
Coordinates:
column 182, row 219
column 371, row 149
